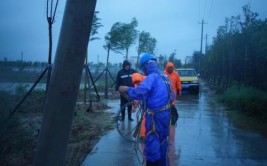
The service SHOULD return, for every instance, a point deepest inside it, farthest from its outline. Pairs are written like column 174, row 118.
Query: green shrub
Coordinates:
column 17, row 134
column 7, row 138
column 246, row 98
column 6, row 104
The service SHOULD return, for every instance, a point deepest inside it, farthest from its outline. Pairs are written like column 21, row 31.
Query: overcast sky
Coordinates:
column 174, row 23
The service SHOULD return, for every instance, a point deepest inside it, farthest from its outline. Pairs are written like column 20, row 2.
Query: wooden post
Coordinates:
column 64, row 83
column 106, row 75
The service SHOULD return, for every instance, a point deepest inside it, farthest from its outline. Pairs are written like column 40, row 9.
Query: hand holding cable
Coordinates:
column 123, row 89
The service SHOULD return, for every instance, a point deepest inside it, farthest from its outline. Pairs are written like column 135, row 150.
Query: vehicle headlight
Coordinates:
column 194, row 82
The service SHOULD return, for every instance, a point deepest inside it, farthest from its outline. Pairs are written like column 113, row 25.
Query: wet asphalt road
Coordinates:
column 203, row 136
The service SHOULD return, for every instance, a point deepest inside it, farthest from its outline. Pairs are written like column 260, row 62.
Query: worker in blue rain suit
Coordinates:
column 156, row 92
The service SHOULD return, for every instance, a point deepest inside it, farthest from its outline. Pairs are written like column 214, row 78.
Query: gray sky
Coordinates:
column 174, row 23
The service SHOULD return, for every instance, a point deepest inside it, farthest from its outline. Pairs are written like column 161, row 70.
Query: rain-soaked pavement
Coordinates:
column 203, row 136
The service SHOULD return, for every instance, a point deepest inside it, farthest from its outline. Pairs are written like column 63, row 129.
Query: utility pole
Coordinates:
column 64, row 85
column 202, row 23
column 206, row 43
column 200, row 54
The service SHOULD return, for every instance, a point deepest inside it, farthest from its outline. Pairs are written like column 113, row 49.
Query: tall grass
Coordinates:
column 6, row 138
column 18, row 133
column 249, row 100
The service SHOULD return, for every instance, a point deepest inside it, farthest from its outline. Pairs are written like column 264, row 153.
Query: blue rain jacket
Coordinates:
column 153, row 91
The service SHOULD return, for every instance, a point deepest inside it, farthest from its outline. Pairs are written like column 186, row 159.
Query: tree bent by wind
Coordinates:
column 121, row 37
column 146, row 44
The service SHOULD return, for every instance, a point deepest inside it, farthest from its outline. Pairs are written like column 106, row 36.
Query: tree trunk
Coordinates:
column 50, row 22
column 106, row 76
column 64, row 84
column 86, row 80
column 127, row 50
column 137, row 62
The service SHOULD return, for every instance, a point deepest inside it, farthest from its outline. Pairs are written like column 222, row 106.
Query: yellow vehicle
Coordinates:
column 189, row 80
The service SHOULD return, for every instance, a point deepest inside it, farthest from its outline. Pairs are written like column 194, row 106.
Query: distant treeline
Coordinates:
column 22, row 65
column 28, row 71
column 238, row 54
column 236, row 63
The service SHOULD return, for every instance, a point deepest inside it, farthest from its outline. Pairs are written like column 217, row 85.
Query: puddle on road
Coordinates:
column 236, row 118
column 204, row 135
column 245, row 122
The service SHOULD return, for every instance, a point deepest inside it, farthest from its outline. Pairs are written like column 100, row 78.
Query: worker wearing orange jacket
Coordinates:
column 137, row 78
column 176, row 86
column 174, row 78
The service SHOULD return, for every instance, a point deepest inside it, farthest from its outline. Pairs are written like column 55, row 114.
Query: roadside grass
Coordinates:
column 19, row 134
column 87, row 129
column 247, row 99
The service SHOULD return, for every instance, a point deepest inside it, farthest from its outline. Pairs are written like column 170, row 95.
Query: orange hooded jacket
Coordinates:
column 174, row 78
column 136, row 79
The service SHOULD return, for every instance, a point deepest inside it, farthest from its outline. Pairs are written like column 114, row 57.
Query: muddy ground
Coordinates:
column 87, row 129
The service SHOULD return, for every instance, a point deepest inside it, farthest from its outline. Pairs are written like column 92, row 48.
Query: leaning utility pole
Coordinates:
column 64, row 83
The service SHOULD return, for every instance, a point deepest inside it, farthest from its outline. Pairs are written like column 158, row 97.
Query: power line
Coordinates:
column 198, row 9
column 211, row 6
column 203, row 10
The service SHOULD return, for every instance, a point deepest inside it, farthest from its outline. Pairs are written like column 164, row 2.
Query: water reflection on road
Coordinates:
column 203, row 136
